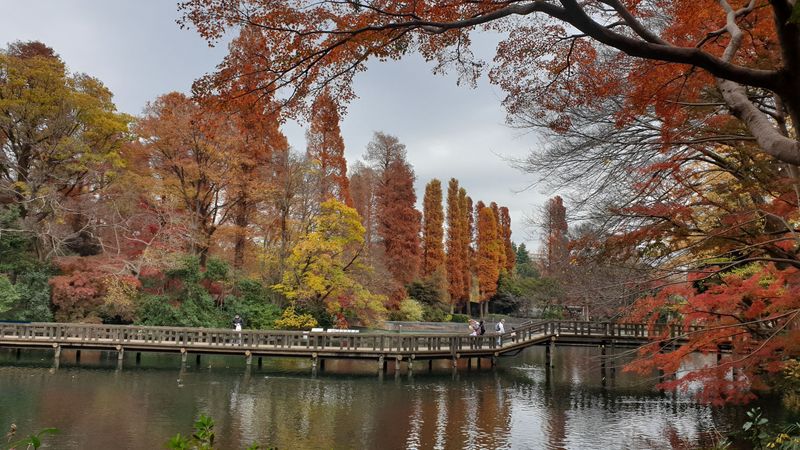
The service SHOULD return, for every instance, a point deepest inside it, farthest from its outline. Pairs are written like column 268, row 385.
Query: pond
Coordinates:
column 520, row 403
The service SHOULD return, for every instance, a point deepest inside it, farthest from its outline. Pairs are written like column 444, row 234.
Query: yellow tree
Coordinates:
column 320, row 271
column 60, row 138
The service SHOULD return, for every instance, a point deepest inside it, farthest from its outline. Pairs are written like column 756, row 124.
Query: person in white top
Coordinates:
column 501, row 329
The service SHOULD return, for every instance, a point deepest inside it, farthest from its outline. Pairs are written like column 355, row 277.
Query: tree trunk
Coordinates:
column 240, row 244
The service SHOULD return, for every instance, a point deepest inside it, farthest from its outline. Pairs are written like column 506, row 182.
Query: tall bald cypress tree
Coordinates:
column 455, row 260
column 433, row 229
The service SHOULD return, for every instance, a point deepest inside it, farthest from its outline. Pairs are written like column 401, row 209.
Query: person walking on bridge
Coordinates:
column 474, row 327
column 500, row 328
column 237, row 323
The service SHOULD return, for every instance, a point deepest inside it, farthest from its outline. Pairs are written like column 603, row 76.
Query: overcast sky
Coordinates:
column 139, row 52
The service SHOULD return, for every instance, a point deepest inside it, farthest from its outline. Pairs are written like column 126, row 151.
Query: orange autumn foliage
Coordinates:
column 750, row 313
column 488, row 255
column 326, row 150
column 433, row 229
column 456, row 263
column 399, row 221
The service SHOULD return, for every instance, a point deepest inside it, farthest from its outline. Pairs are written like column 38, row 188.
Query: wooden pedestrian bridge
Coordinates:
column 318, row 346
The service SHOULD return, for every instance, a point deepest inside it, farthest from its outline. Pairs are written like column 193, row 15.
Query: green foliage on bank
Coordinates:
column 192, row 297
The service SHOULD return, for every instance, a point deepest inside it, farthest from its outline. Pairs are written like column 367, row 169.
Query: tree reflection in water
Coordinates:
column 519, row 404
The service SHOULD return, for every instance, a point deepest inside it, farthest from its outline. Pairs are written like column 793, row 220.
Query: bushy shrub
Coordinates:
column 156, row 310
column 33, row 289
column 8, row 294
column 460, row 318
column 428, row 291
column 216, row 270
column 197, row 309
column 432, row 313
column 119, row 302
column 553, row 312
column 189, row 289
column 77, row 296
column 410, row 310
column 254, row 303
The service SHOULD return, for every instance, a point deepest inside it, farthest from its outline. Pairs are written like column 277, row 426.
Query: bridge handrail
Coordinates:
column 342, row 341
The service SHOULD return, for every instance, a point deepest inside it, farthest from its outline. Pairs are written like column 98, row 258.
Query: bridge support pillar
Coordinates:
column 120, row 356
column 494, row 360
column 248, row 357
column 603, row 356
column 430, row 365
column 259, row 361
column 381, row 364
column 455, row 360
column 469, row 363
column 77, row 356
column 479, row 362
column 322, row 364
column 197, row 359
column 313, row 363
column 611, row 359
column 397, row 363
column 548, row 352
column 411, row 363
column 19, row 352
column 603, row 364
column 138, row 357
column 184, row 356
column 57, row 354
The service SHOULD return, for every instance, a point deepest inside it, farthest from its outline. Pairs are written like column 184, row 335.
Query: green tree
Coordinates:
column 33, row 289
column 8, row 295
column 525, row 266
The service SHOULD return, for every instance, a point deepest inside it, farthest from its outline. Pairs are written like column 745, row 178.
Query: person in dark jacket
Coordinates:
column 482, row 329
column 238, row 323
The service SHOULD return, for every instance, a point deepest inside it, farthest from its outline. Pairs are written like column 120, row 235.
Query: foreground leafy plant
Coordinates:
column 201, row 439
column 33, row 441
column 758, row 431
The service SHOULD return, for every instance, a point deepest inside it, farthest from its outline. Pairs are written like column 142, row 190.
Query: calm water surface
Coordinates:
column 519, row 405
